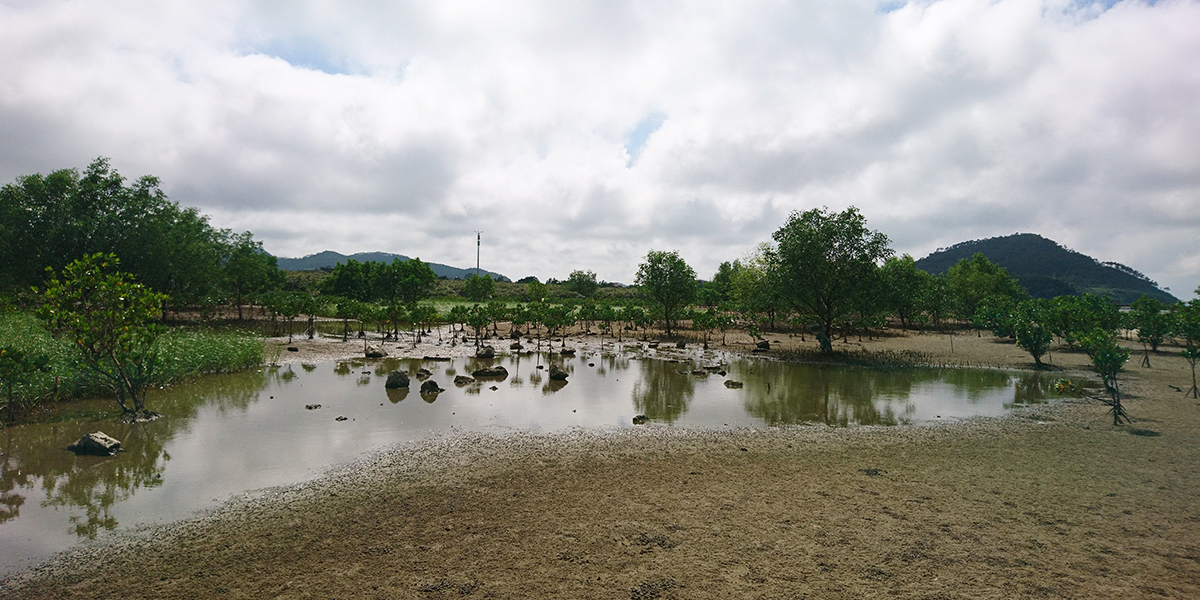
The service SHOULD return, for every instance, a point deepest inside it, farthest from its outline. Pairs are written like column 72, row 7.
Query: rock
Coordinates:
column 485, row 352
column 567, row 352
column 515, row 346
column 430, row 388
column 514, row 335
column 733, row 385
column 96, row 443
column 292, row 349
column 681, row 344
column 764, row 345
column 713, row 368
column 641, row 420
column 493, row 372
column 540, row 367
column 463, row 380
column 493, row 388
column 423, row 374
column 374, row 351
column 340, row 418
column 557, row 374
column 699, row 372
column 312, row 406
column 437, row 358
column 654, row 344
column 722, row 373
column 396, row 380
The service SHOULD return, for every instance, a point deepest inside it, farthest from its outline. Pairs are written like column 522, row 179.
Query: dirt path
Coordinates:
column 1054, row 502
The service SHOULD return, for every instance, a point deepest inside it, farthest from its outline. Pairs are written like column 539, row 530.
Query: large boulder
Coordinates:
column 396, row 380
column 430, row 387
column 764, row 345
column 463, row 380
column 493, row 372
column 557, row 374
column 373, row 351
column 96, row 443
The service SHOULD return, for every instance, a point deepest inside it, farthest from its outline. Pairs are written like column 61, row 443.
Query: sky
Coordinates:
column 581, row 135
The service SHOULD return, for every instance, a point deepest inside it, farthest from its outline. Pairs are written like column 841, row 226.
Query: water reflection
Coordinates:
column 228, row 434
column 662, row 393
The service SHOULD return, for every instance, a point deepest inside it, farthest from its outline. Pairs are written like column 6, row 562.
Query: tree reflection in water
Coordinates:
column 787, row 394
column 96, row 484
column 662, row 393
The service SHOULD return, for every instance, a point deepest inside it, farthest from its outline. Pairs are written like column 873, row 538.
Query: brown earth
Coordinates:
column 1052, row 502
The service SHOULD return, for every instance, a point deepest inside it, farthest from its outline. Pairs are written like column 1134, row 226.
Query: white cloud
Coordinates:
column 581, row 135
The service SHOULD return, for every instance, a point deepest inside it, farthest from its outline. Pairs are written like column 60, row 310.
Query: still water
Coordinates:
column 224, row 436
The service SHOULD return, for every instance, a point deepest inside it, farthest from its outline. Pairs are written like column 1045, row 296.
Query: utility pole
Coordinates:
column 477, row 234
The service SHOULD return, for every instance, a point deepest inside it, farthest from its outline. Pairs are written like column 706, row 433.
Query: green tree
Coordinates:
column 903, row 286
column 582, row 283
column 415, row 280
column 667, row 279
column 109, row 317
column 821, row 258
column 722, row 281
column 479, row 288
column 756, row 291
column 973, row 279
column 1031, row 328
column 248, row 269
column 1073, row 317
column 1151, row 320
column 536, row 291
column 997, row 314
column 351, row 279
column 1108, row 358
column 16, row 366
column 1187, row 326
column 47, row 221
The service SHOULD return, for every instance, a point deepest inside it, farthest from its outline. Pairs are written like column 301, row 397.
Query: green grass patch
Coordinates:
column 183, row 353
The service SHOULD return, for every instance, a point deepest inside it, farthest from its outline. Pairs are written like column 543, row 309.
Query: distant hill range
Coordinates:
column 329, row 259
column 1047, row 269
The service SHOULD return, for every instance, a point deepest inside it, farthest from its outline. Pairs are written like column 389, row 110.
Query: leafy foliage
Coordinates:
column 110, row 319
column 1031, row 329
column 479, row 288
column 667, row 279
column 821, row 259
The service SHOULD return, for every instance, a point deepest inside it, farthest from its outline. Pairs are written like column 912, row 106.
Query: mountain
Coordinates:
column 1048, row 269
column 329, row 259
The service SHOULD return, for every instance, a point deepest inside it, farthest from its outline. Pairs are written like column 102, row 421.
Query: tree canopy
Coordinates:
column 667, row 279
column 822, row 259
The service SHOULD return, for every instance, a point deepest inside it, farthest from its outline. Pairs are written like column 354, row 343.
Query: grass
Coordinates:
column 864, row 358
column 183, row 353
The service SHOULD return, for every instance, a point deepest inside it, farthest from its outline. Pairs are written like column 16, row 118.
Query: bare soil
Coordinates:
column 1053, row 502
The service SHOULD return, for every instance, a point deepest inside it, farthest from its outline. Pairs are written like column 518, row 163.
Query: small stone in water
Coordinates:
column 341, row 418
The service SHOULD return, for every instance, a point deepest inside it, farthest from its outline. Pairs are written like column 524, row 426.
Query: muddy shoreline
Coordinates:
column 1050, row 502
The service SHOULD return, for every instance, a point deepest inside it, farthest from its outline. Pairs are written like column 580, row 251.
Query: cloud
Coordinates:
column 580, row 135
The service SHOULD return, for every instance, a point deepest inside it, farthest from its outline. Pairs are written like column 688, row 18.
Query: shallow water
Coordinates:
column 225, row 436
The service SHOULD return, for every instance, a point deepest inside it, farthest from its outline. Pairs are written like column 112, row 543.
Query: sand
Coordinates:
column 1053, row 501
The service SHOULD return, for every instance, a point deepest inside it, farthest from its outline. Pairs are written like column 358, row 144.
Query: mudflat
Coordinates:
column 1053, row 501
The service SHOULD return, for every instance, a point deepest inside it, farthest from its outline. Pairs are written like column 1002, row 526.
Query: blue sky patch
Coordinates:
column 635, row 142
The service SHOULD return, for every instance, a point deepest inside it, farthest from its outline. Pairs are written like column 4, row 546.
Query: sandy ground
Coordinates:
column 1052, row 502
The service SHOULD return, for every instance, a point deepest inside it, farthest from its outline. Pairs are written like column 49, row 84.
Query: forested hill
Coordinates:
column 328, row 259
column 1047, row 269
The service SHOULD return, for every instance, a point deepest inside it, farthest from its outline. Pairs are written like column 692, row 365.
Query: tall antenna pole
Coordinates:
column 477, row 243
